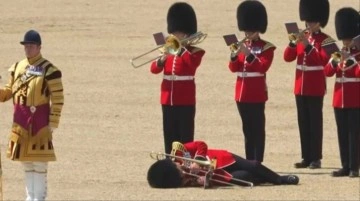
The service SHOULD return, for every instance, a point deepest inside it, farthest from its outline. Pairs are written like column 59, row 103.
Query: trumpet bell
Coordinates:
column 292, row 38
column 336, row 56
column 177, row 146
column 234, row 47
column 172, row 45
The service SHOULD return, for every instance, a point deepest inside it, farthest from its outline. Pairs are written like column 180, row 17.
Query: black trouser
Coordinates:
column 178, row 124
column 253, row 123
column 348, row 131
column 252, row 171
column 310, row 121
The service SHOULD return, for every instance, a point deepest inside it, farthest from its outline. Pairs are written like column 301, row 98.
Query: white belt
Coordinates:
column 178, row 77
column 309, row 68
column 250, row 74
column 347, row 79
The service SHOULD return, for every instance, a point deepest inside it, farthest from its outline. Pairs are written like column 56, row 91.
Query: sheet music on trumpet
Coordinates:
column 292, row 27
column 230, row 39
column 159, row 38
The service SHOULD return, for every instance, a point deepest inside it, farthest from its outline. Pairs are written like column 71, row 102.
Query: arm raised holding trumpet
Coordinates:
column 345, row 67
column 300, row 36
column 243, row 46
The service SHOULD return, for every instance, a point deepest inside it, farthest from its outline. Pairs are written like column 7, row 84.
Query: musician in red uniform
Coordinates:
column 165, row 173
column 346, row 98
column 310, row 84
column 178, row 86
column 250, row 63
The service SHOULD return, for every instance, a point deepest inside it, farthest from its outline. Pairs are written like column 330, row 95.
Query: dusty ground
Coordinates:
column 112, row 116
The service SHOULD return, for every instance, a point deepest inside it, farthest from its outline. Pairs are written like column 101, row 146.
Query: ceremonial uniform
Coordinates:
column 36, row 90
column 346, row 97
column 178, row 90
column 251, row 89
column 228, row 166
column 310, row 84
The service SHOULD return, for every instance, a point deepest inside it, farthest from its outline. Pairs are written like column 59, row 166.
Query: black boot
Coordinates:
column 354, row 173
column 302, row 164
column 315, row 164
column 289, row 179
column 340, row 173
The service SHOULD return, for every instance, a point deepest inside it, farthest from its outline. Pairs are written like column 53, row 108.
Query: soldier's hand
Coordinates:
column 194, row 168
column 344, row 55
column 303, row 38
column 244, row 49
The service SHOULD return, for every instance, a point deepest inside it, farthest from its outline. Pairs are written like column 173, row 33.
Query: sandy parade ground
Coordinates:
column 112, row 118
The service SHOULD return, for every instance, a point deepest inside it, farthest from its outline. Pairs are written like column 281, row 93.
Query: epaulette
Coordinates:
column 195, row 49
column 327, row 41
column 50, row 69
column 13, row 67
column 268, row 45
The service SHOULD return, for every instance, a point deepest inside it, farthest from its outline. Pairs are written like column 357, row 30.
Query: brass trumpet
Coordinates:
column 208, row 171
column 172, row 46
column 234, row 47
column 337, row 56
column 294, row 37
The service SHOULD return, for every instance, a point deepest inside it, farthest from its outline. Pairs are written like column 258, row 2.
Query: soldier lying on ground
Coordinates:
column 229, row 168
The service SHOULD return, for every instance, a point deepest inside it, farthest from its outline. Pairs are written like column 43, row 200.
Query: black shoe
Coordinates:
column 340, row 173
column 315, row 164
column 354, row 173
column 302, row 164
column 289, row 179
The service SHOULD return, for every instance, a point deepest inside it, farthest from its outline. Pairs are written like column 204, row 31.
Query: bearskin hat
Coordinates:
column 347, row 23
column 315, row 11
column 181, row 17
column 251, row 16
column 164, row 174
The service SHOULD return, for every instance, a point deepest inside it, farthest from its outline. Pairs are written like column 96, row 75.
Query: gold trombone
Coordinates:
column 208, row 171
column 172, row 46
column 161, row 156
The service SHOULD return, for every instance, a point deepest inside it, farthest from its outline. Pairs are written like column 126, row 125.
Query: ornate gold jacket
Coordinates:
column 36, row 90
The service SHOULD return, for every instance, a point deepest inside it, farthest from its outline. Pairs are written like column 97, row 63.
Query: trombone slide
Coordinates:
column 161, row 156
column 144, row 54
column 209, row 177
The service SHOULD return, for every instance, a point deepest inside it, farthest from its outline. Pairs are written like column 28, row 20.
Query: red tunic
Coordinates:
column 223, row 158
column 178, row 85
column 251, row 76
column 347, row 83
column 309, row 76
